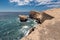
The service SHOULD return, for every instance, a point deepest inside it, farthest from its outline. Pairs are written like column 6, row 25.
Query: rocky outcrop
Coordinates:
column 31, row 30
column 49, row 29
column 33, row 14
column 23, row 18
column 40, row 16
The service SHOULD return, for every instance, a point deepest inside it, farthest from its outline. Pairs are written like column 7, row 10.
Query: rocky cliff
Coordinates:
column 49, row 29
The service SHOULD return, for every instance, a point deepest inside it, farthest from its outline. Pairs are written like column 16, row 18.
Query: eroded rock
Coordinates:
column 23, row 18
column 33, row 14
column 40, row 17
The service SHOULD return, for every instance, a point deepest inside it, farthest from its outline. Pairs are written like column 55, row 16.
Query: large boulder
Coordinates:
column 23, row 18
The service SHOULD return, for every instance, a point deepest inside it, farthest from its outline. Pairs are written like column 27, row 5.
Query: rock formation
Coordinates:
column 31, row 30
column 36, row 16
column 49, row 29
column 40, row 16
column 33, row 14
column 23, row 18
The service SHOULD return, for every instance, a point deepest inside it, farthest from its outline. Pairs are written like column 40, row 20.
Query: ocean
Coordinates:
column 11, row 28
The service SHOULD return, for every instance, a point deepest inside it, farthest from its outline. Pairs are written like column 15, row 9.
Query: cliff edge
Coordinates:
column 49, row 29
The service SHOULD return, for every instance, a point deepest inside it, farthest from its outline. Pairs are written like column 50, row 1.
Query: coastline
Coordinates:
column 41, row 31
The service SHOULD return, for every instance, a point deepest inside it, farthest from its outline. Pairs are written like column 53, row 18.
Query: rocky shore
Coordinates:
column 48, row 27
column 23, row 18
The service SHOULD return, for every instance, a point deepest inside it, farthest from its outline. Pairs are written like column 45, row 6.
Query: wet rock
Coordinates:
column 23, row 18
column 31, row 30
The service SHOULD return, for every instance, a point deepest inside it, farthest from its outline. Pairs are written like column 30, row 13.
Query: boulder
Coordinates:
column 23, row 18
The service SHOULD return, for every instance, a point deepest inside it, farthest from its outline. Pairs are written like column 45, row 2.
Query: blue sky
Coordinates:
column 27, row 5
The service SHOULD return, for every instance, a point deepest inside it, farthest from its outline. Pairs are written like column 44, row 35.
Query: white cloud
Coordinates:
column 26, row 2
column 54, row 4
column 21, row 2
column 50, row 3
column 39, row 2
column 43, row 1
column 14, row 0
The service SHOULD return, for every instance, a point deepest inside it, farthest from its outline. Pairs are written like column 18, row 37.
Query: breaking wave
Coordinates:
column 12, row 29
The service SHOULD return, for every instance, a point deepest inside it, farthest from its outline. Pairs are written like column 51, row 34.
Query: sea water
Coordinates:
column 11, row 28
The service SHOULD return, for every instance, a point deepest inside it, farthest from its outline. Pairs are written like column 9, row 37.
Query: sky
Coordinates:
column 27, row 5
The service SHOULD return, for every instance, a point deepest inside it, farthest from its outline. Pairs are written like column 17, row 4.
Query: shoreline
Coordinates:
column 47, row 28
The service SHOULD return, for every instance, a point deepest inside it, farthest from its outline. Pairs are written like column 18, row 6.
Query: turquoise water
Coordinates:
column 11, row 28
